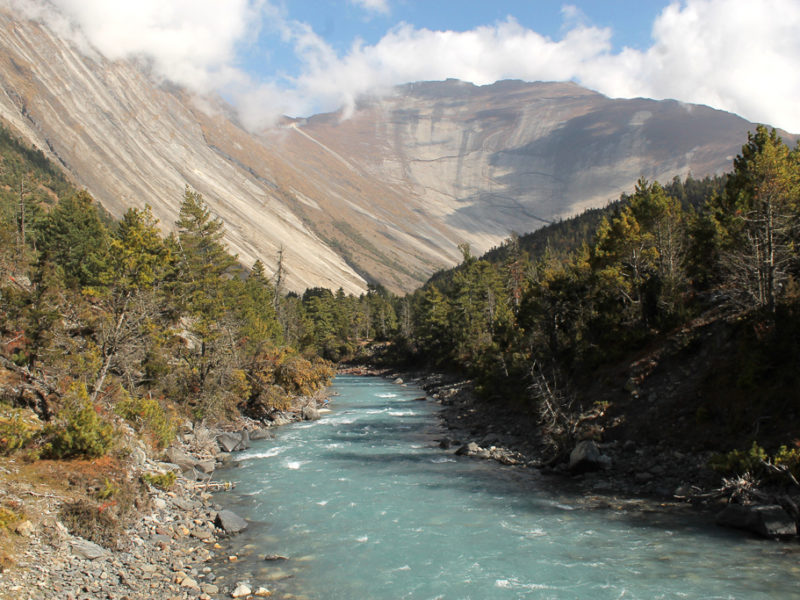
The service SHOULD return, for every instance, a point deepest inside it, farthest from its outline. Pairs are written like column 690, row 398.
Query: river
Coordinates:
column 368, row 507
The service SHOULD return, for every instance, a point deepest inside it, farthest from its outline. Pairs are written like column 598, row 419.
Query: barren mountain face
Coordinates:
column 385, row 195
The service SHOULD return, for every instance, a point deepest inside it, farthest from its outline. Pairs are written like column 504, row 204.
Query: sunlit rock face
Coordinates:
column 385, row 195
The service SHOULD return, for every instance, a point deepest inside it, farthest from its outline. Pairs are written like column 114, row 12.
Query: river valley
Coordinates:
column 365, row 505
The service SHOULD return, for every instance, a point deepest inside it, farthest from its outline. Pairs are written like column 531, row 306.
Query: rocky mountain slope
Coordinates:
column 385, row 195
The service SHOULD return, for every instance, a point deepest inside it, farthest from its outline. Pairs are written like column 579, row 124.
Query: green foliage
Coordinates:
column 108, row 489
column 74, row 238
column 18, row 427
column 161, row 480
column 9, row 518
column 149, row 416
column 739, row 462
column 78, row 430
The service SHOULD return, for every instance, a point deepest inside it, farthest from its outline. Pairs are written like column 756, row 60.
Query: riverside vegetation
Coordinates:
column 668, row 320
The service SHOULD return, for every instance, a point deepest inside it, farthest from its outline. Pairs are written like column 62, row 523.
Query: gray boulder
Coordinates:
column 86, row 549
column 178, row 457
column 229, row 441
column 768, row 521
column 260, row 434
column 310, row 412
column 585, row 457
column 206, row 466
column 230, row 522
column 472, row 449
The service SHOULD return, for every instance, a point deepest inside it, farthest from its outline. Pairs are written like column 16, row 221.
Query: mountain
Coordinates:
column 384, row 195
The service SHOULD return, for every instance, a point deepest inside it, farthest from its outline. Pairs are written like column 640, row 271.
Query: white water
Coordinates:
column 368, row 507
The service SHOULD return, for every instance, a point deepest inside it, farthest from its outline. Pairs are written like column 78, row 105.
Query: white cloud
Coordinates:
column 737, row 55
column 375, row 6
column 189, row 42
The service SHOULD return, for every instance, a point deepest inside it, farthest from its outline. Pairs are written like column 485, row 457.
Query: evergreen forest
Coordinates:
column 103, row 317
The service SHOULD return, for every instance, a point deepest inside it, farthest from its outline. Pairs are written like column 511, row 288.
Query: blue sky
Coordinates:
column 300, row 57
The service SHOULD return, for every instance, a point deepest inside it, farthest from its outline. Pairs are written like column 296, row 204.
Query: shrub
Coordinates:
column 92, row 522
column 162, row 481
column 739, row 462
column 18, row 426
column 148, row 415
column 78, row 430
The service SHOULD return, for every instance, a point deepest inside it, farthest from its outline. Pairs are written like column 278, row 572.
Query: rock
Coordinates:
column 472, row 449
column 230, row 522
column 398, row 381
column 183, row 503
column 421, row 399
column 138, row 457
column 209, row 588
column 769, row 521
column 310, row 413
column 260, row 434
column 585, row 457
column 188, row 582
column 445, row 443
column 86, row 549
column 228, row 441
column 206, row 466
column 274, row 557
column 241, row 590
column 178, row 457
column 244, row 436
column 263, row 592
column 25, row 529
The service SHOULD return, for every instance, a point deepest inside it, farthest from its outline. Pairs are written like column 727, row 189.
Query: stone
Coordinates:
column 398, row 381
column 178, row 457
column 262, row 592
column 206, row 466
column 230, row 522
column 274, row 557
column 469, row 449
column 585, row 457
column 310, row 413
column 209, row 588
column 190, row 583
column 86, row 549
column 768, row 521
column 138, row 457
column 260, row 434
column 228, row 441
column 241, row 590
column 25, row 529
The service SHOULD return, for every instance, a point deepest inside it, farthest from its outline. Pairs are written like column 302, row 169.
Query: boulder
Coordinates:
column 206, row 466
column 585, row 457
column 310, row 413
column 769, row 521
column 178, row 457
column 260, row 434
column 86, row 549
column 229, row 441
column 398, row 381
column 230, row 522
column 472, row 449
column 241, row 591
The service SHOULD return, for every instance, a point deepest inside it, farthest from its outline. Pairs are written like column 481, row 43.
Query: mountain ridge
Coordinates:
column 384, row 196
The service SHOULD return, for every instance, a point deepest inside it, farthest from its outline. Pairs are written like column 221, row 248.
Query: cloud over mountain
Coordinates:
column 737, row 55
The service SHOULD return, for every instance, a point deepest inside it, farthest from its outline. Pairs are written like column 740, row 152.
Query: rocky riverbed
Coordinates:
column 168, row 549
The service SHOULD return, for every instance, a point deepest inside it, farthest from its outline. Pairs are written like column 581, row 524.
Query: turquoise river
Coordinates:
column 368, row 507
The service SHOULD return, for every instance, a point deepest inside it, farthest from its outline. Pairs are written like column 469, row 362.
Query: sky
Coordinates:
column 302, row 57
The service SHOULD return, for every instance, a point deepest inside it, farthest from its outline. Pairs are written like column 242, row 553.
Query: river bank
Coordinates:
column 638, row 476
column 142, row 542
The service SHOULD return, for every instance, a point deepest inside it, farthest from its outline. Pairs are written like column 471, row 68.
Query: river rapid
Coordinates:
column 367, row 506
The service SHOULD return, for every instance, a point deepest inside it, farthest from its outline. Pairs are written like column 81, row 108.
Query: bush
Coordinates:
column 78, row 430
column 148, row 415
column 739, row 462
column 162, row 481
column 18, row 426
